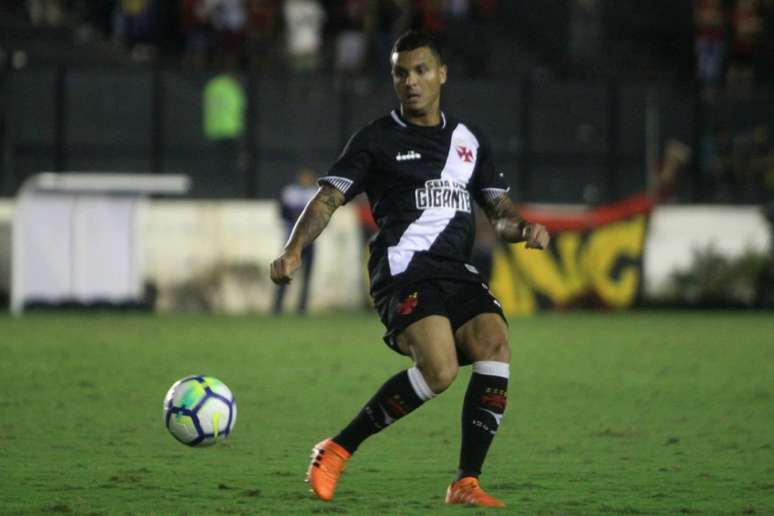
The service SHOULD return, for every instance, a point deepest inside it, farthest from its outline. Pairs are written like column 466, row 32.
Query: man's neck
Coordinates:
column 429, row 118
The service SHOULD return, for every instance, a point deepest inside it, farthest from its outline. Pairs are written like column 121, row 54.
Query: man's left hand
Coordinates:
column 536, row 236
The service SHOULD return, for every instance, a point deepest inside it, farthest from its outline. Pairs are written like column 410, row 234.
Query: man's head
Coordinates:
column 418, row 72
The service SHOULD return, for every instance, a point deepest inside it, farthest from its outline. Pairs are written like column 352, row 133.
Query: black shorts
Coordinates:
column 458, row 301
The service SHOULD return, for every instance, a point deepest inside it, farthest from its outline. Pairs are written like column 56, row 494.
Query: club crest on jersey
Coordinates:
column 465, row 154
column 442, row 193
column 406, row 156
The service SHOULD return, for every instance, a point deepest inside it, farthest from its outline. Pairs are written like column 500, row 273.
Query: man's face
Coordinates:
column 417, row 76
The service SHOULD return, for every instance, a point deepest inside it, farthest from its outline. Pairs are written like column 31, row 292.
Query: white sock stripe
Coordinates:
column 419, row 384
column 492, row 368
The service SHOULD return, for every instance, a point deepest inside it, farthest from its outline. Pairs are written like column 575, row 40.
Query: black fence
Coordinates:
column 557, row 141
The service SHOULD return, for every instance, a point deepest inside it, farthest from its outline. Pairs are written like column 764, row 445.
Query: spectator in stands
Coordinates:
column 676, row 157
column 764, row 66
column 710, row 44
column 747, row 32
column 96, row 18
column 224, row 113
column 350, row 40
column 134, row 26
column 229, row 20
column 389, row 19
column 197, row 32
column 261, row 30
column 45, row 12
column 304, row 21
column 293, row 199
column 429, row 17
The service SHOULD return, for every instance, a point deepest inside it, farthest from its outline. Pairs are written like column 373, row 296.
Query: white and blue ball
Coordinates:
column 199, row 410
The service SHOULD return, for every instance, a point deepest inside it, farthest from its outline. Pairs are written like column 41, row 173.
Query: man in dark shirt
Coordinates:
column 293, row 200
column 421, row 171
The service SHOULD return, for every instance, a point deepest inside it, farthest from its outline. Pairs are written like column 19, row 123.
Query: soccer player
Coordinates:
column 421, row 171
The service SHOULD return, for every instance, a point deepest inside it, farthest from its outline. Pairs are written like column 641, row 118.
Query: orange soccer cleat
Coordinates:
column 467, row 491
column 328, row 462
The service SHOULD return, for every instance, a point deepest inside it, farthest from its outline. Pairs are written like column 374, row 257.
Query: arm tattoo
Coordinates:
column 501, row 208
column 315, row 218
column 505, row 219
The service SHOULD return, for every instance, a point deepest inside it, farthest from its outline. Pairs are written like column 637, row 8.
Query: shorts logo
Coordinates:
column 465, row 154
column 408, row 305
column 442, row 193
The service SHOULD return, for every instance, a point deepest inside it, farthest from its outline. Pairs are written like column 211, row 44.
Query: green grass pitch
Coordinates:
column 630, row 413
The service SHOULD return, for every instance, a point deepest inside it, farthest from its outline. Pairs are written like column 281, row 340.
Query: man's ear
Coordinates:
column 443, row 71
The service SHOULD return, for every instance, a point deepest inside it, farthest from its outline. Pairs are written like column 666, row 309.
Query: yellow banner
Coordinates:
column 599, row 264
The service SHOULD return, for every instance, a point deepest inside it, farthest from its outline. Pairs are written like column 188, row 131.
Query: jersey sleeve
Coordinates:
column 488, row 183
column 349, row 172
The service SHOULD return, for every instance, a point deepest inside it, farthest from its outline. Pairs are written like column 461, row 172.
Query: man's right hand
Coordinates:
column 309, row 225
column 282, row 268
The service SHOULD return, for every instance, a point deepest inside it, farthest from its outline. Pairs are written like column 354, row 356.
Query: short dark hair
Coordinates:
column 414, row 39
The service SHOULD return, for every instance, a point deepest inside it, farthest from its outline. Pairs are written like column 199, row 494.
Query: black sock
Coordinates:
column 399, row 395
column 482, row 411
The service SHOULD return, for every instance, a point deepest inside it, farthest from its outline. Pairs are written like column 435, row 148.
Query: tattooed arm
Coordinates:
column 510, row 227
column 308, row 227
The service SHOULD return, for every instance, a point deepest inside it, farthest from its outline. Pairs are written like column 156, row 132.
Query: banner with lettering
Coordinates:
column 594, row 260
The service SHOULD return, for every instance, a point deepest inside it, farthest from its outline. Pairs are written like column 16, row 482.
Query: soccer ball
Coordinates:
column 199, row 410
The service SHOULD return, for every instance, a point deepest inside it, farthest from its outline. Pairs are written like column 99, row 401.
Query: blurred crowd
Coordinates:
column 733, row 39
column 738, row 164
column 734, row 44
column 301, row 35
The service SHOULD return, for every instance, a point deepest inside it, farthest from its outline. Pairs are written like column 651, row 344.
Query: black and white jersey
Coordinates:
column 420, row 183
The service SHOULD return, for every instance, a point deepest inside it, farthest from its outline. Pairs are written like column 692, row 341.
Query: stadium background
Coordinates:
column 564, row 88
column 641, row 132
column 587, row 103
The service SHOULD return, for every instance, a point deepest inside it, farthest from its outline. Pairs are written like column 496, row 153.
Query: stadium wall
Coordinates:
column 677, row 233
column 6, row 215
column 214, row 255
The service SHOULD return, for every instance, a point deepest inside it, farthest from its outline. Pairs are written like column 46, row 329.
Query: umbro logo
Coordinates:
column 408, row 156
